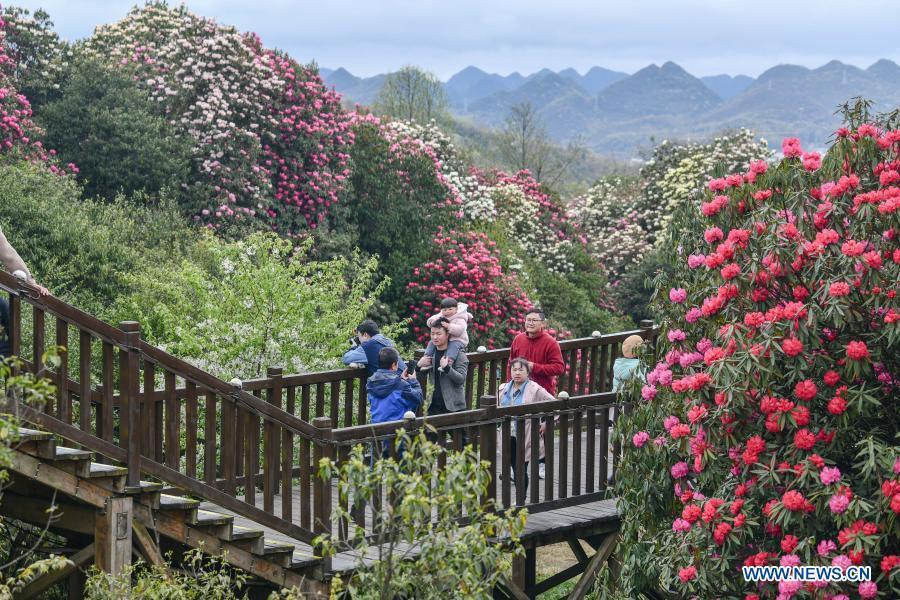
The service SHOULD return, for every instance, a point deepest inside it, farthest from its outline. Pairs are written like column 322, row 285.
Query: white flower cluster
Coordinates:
column 474, row 198
column 209, row 81
column 526, row 230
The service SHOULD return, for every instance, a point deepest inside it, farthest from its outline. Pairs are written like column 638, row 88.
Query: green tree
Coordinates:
column 412, row 94
column 109, row 128
column 236, row 308
column 397, row 205
column 452, row 561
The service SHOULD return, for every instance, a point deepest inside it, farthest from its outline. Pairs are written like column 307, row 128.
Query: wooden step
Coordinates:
column 77, row 462
column 64, row 453
column 302, row 561
column 36, row 443
column 33, row 435
column 170, row 502
column 250, row 540
column 110, row 477
column 277, row 553
column 213, row 523
column 146, row 493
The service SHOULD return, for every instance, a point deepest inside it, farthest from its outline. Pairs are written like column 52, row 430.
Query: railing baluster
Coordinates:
column 37, row 344
column 15, row 325
column 209, row 438
column 190, row 420
column 603, row 442
column 535, row 458
column 322, row 489
column 129, row 411
column 335, row 394
column 84, row 380
column 348, row 402
column 63, row 399
column 271, row 443
column 149, row 410
column 105, row 416
column 576, row 453
column 520, row 461
column 589, row 469
column 230, row 433
column 549, row 452
column 563, row 488
column 505, row 462
column 320, row 400
column 173, row 422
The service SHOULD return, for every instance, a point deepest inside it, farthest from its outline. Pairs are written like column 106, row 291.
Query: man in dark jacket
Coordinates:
column 448, row 386
column 365, row 352
column 392, row 392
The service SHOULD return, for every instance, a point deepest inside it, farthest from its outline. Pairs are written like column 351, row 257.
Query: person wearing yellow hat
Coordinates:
column 625, row 368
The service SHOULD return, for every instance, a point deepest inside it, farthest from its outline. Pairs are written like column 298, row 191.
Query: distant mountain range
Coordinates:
column 616, row 112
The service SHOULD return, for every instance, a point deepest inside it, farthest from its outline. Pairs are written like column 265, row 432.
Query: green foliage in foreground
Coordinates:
column 452, row 561
column 202, row 577
column 35, row 390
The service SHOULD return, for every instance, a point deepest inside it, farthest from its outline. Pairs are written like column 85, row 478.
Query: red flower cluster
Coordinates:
column 468, row 269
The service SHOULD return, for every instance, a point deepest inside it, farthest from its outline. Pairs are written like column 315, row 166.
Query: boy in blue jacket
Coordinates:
column 392, row 393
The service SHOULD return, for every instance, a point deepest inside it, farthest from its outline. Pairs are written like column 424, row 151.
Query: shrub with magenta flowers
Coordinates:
column 773, row 408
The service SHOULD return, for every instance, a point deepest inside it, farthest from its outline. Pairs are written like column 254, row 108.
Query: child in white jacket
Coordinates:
column 459, row 316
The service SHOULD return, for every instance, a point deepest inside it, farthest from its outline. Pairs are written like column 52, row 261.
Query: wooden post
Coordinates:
column 112, row 536
column 271, row 443
column 322, row 488
column 129, row 415
column 488, row 446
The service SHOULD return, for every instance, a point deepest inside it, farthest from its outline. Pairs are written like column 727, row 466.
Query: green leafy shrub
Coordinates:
column 453, row 561
column 104, row 123
column 237, row 308
column 83, row 251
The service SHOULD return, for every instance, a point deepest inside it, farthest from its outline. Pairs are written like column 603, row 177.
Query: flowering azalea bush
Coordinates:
column 765, row 433
column 269, row 139
column 468, row 268
column 19, row 135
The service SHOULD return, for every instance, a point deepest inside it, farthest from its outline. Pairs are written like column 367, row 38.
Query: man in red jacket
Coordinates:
column 543, row 355
column 540, row 350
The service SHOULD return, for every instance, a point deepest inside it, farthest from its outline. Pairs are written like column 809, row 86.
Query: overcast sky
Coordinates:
column 444, row 36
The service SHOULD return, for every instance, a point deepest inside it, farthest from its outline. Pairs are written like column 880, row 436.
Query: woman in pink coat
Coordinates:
column 521, row 390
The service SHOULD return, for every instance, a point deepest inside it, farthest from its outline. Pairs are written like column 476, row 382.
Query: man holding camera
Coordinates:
column 366, row 345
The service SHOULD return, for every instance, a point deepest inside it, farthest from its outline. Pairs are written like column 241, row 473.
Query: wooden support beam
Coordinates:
column 512, row 589
column 31, row 509
column 56, row 478
column 559, row 578
column 112, row 536
column 41, row 584
column 586, row 582
column 146, row 544
column 577, row 550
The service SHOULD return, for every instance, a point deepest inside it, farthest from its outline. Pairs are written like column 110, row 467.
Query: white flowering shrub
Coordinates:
column 269, row 139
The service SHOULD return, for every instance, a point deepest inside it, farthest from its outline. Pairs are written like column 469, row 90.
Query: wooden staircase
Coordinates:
column 40, row 467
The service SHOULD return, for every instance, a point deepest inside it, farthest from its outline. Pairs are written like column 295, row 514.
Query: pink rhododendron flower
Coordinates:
column 838, row 503
column 640, row 438
column 687, row 574
column 677, row 295
column 681, row 525
column 679, row 470
column 791, row 147
column 826, row 547
column 830, row 475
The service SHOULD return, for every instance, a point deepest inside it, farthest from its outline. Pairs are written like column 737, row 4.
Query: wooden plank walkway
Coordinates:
column 540, row 526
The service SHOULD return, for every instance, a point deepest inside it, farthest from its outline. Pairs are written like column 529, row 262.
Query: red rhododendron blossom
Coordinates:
column 687, row 574
column 791, row 147
column 792, row 346
column 857, row 350
column 793, row 500
column 805, row 390
column 839, row 289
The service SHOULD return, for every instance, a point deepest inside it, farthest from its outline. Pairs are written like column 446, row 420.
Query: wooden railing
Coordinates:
column 118, row 396
column 579, row 461
column 253, row 448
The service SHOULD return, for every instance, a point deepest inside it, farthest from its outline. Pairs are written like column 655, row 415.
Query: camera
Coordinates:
column 354, row 341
